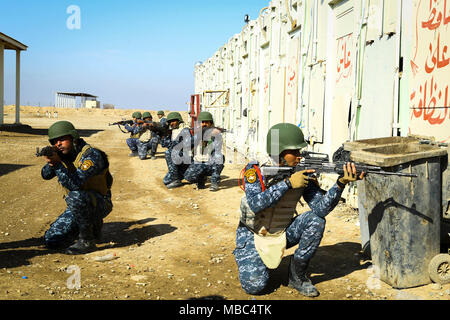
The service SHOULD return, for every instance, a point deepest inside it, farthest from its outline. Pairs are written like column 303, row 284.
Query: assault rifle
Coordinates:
column 160, row 129
column 320, row 162
column 222, row 130
column 123, row 122
column 45, row 151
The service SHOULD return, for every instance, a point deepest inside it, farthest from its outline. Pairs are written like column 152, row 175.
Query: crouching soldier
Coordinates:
column 148, row 139
column 208, row 156
column 135, row 132
column 164, row 138
column 83, row 173
column 179, row 154
column 269, row 222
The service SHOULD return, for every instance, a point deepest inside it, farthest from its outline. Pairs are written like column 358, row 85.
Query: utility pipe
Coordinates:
column 395, row 109
column 316, row 27
column 293, row 22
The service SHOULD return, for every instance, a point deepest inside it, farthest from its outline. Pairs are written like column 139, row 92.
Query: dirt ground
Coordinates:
column 165, row 244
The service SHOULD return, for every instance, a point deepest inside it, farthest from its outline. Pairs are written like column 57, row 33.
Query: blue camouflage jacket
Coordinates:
column 320, row 204
column 133, row 129
column 93, row 163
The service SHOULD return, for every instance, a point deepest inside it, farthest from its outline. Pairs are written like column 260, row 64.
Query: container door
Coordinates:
column 344, row 65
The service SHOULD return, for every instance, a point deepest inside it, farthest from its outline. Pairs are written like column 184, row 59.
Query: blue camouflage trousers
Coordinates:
column 143, row 147
column 132, row 143
column 176, row 171
column 84, row 210
column 164, row 141
column 306, row 230
column 199, row 171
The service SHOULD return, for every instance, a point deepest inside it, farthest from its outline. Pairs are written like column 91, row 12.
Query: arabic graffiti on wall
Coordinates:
column 343, row 63
column 292, row 80
column 430, row 59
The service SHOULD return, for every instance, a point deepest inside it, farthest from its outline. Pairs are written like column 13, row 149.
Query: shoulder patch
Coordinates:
column 250, row 174
column 86, row 165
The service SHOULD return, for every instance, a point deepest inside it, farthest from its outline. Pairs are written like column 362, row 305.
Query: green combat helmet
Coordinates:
column 160, row 113
column 289, row 137
column 205, row 116
column 62, row 128
column 137, row 115
column 174, row 116
column 146, row 115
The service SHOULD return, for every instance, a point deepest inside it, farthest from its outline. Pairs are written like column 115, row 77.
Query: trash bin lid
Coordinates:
column 376, row 142
column 396, row 153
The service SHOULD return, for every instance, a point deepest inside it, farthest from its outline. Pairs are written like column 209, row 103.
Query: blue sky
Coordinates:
column 134, row 54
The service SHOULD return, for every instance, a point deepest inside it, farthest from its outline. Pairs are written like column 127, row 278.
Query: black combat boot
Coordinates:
column 201, row 183
column 85, row 242
column 298, row 279
column 214, row 186
column 174, row 184
column 98, row 229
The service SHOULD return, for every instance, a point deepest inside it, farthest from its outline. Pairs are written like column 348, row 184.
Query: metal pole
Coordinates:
column 2, row 83
column 17, row 86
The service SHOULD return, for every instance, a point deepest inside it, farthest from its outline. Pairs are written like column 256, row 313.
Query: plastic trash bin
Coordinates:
column 403, row 214
column 358, row 146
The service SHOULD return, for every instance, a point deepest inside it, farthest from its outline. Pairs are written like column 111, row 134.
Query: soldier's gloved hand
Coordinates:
column 53, row 160
column 299, row 179
column 349, row 175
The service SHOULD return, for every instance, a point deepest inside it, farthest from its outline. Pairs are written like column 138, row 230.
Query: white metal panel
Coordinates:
column 315, row 116
column 377, row 99
column 375, row 20
column 391, row 8
column 343, row 64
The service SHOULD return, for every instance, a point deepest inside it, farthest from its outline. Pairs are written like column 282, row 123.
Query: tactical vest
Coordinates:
column 100, row 183
column 135, row 135
column 176, row 132
column 272, row 220
column 145, row 136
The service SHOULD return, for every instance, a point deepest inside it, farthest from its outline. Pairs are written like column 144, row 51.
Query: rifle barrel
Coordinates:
column 329, row 167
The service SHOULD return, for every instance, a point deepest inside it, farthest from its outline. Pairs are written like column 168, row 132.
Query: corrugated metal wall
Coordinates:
column 341, row 70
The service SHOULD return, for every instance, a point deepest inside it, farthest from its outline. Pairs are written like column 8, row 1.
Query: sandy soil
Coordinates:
column 165, row 244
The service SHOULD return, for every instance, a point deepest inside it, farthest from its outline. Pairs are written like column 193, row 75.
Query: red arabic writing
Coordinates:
column 432, row 24
column 343, row 61
column 429, row 99
column 432, row 104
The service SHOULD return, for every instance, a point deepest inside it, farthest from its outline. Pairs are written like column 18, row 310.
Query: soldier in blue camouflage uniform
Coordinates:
column 148, row 139
column 268, row 224
column 164, row 137
column 135, row 130
column 83, row 171
column 178, row 155
column 208, row 156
